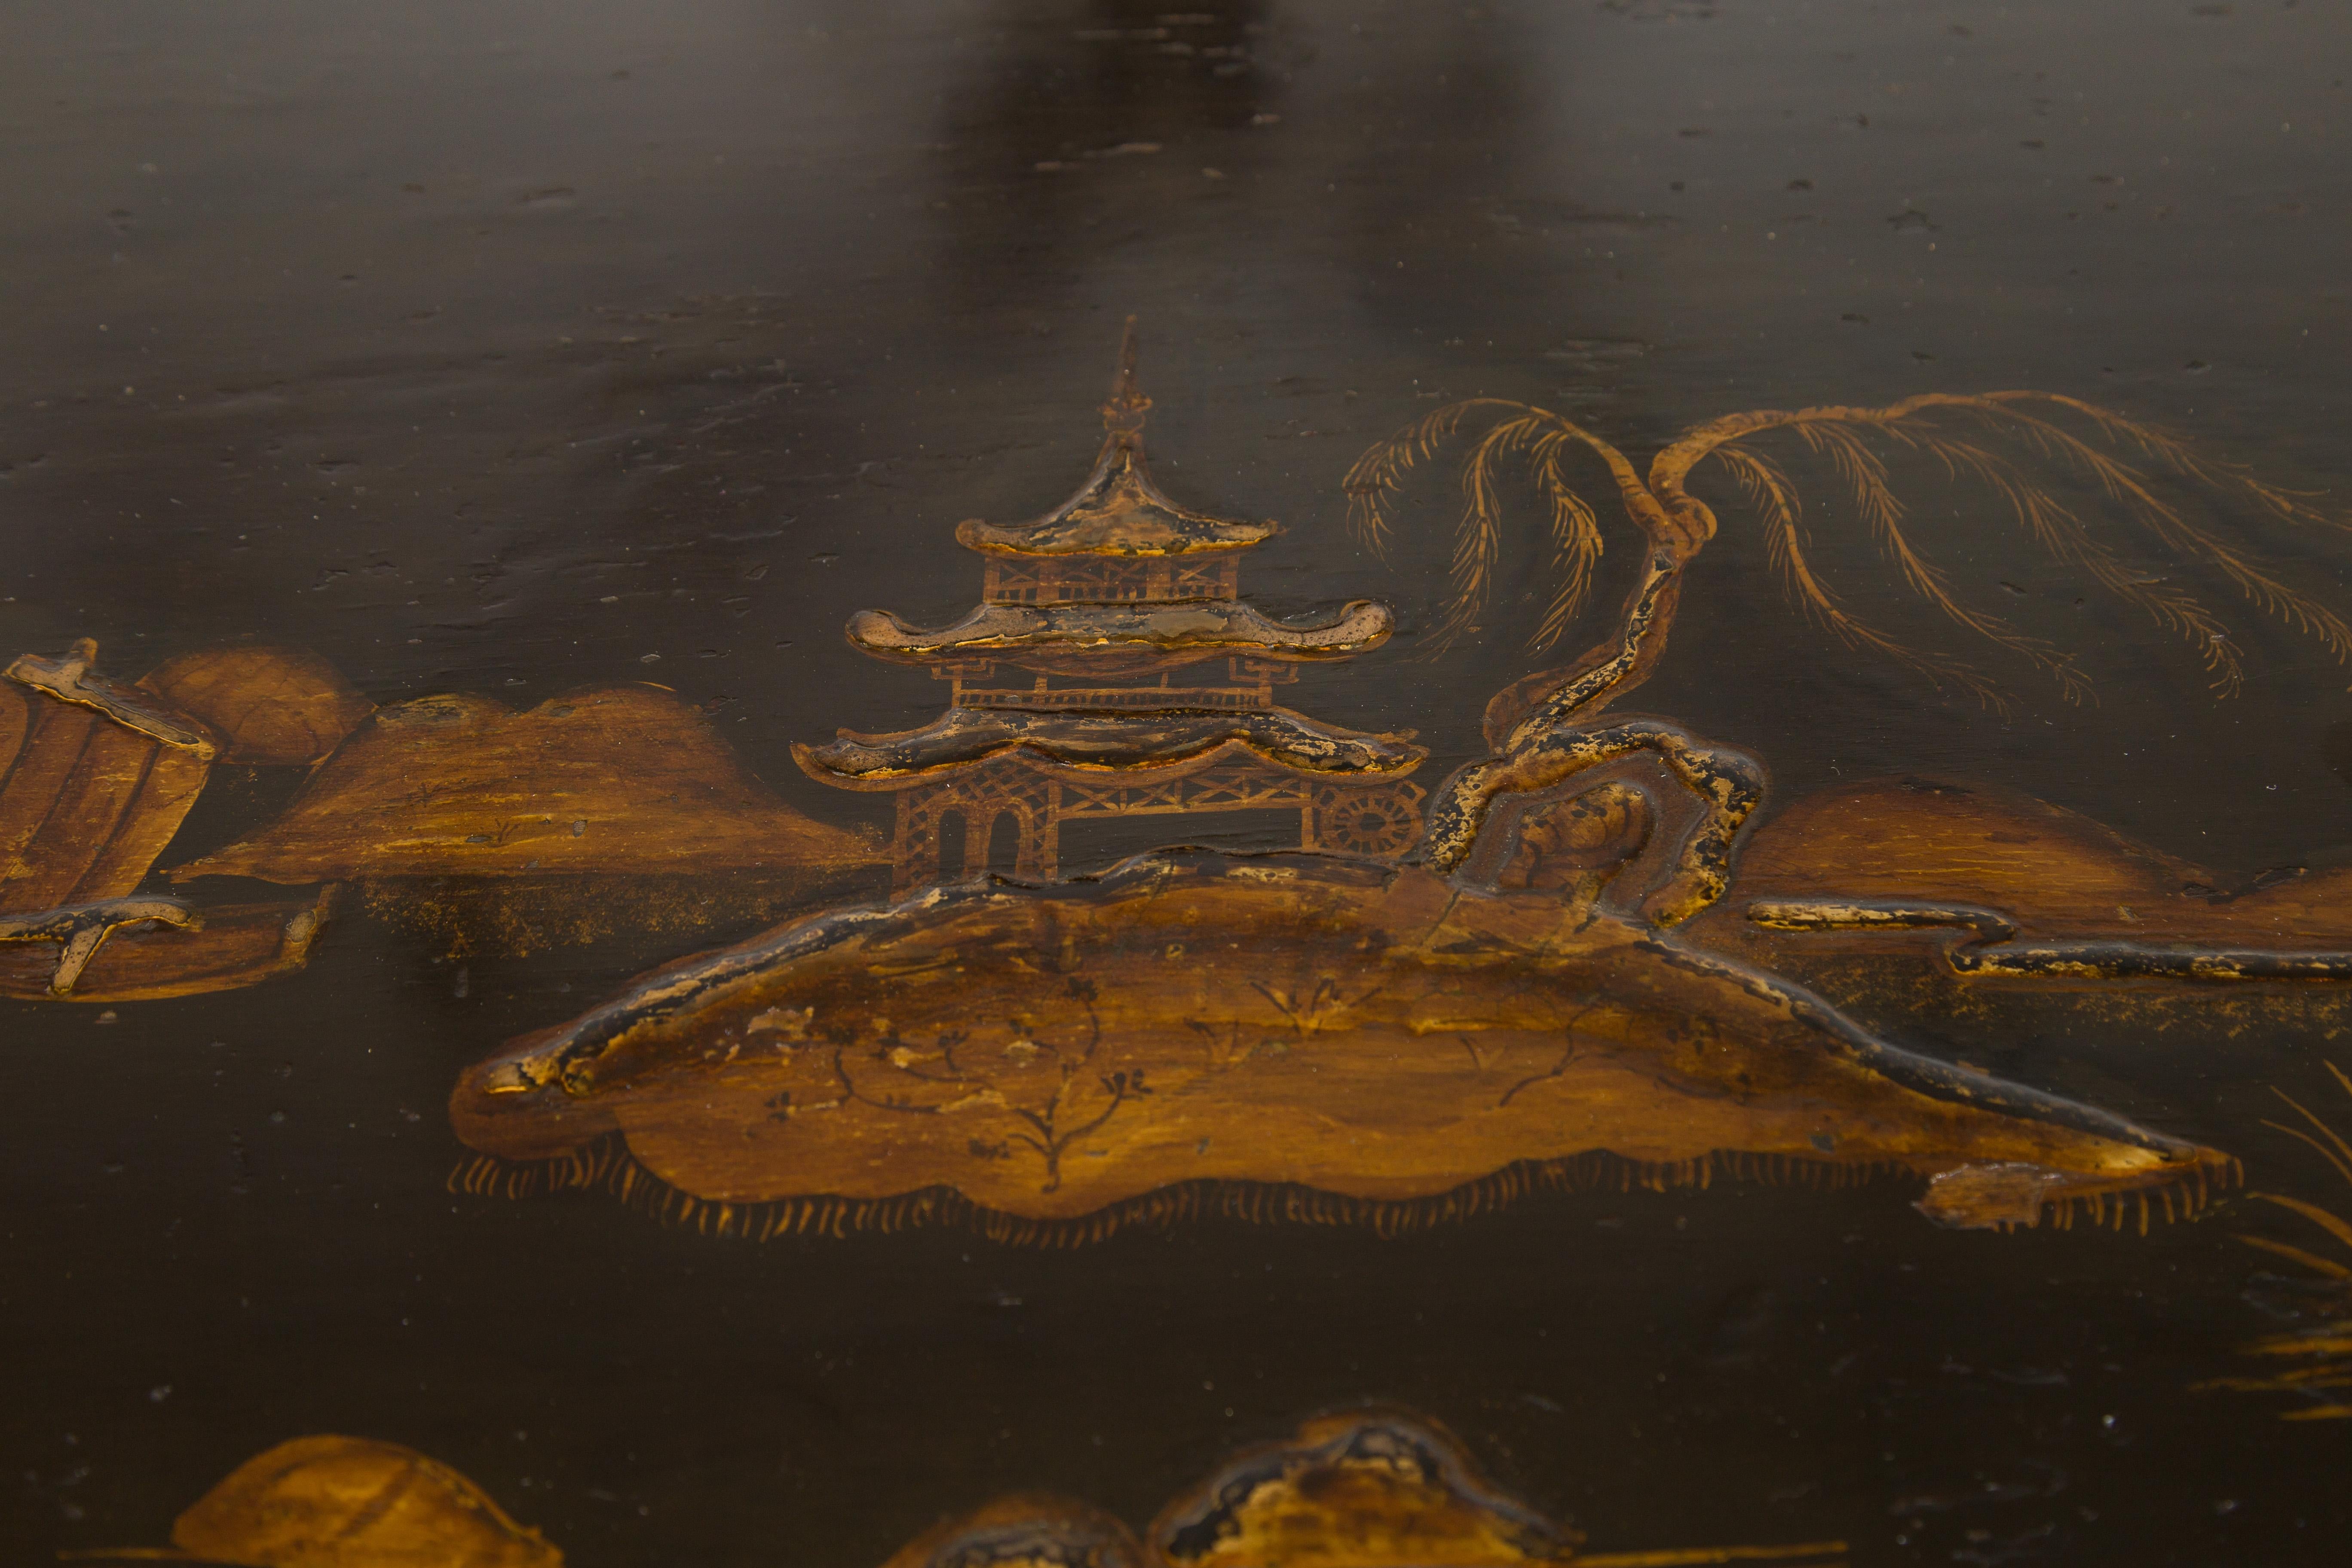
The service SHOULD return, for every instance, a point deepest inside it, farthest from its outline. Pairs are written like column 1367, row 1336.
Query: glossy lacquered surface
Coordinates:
column 547, row 387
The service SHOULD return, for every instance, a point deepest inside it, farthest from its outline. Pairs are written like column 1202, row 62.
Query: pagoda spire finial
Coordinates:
column 1118, row 512
column 1123, row 415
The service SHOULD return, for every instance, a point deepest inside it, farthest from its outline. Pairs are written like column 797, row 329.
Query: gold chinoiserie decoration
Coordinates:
column 1149, row 688
column 2316, row 1359
column 344, row 1502
column 96, row 776
column 1370, row 1489
column 1438, row 1003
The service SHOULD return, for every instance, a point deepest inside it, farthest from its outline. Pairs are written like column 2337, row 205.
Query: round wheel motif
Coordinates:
column 1367, row 821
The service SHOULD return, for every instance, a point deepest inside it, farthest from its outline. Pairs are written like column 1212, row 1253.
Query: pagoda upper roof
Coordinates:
column 1181, row 630
column 1119, row 511
column 1090, row 745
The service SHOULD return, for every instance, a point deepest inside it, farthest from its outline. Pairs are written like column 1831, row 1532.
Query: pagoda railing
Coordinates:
column 1249, row 684
column 1098, row 580
column 1116, row 699
column 1240, row 786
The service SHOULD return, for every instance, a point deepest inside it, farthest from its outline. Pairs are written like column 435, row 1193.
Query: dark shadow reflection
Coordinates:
column 1076, row 129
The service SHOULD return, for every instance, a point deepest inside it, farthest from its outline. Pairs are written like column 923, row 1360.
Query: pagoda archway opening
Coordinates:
column 953, row 833
column 1005, row 835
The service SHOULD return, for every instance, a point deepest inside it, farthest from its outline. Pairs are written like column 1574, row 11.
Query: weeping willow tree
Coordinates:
column 2010, row 444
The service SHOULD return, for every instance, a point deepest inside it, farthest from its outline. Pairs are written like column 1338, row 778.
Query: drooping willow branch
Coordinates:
column 1540, row 730
column 1992, row 440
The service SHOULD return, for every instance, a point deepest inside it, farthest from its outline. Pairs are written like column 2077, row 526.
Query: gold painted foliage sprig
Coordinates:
column 2013, row 443
column 2318, row 1357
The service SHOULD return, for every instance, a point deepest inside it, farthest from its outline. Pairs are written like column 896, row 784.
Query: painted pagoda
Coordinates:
column 1112, row 670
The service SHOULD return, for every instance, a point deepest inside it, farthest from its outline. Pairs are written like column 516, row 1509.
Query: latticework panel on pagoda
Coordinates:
column 1115, row 699
column 1108, row 580
column 1250, row 683
column 1227, row 786
column 1377, row 817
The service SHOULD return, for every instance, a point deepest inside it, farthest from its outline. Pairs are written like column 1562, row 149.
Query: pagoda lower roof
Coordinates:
column 1091, row 745
column 1198, row 627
